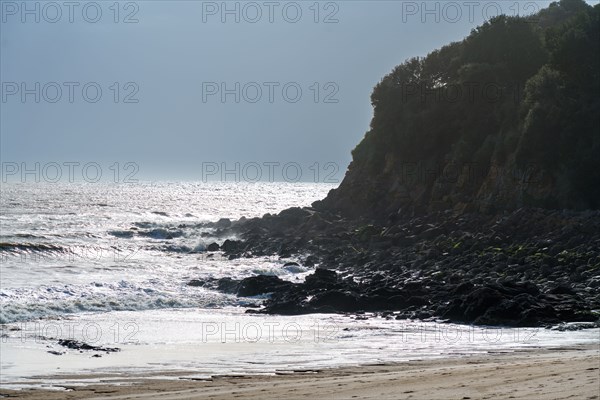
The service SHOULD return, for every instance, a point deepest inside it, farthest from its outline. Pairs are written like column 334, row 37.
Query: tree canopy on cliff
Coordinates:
column 517, row 91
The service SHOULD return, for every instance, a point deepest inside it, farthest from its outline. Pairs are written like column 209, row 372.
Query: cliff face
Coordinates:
column 509, row 117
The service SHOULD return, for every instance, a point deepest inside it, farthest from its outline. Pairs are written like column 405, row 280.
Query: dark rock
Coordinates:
column 414, row 289
column 293, row 215
column 228, row 285
column 286, row 307
column 321, row 279
column 562, row 289
column 463, row 288
column 77, row 345
column 417, row 301
column 230, row 246
column 261, row 284
column 513, row 287
column 223, row 223
column 473, row 305
column 336, row 300
column 378, row 302
column 196, row 283
column 213, row 247
column 310, row 261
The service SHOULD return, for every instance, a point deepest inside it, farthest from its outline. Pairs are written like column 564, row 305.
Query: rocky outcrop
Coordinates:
column 504, row 302
column 507, row 118
column 529, row 267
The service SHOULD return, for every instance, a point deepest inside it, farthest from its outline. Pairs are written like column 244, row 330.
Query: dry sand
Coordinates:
column 562, row 373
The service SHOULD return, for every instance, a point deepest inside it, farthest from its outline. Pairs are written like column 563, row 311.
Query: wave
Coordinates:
column 122, row 234
column 183, row 249
column 55, row 301
column 161, row 233
column 20, row 248
column 29, row 236
column 29, row 311
column 155, row 230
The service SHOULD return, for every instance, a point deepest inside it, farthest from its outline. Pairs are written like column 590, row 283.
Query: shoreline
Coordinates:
column 543, row 373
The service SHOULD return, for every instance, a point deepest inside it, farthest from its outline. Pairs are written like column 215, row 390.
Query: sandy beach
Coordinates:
column 561, row 373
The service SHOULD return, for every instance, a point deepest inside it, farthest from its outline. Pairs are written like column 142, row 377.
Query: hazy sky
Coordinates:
column 175, row 58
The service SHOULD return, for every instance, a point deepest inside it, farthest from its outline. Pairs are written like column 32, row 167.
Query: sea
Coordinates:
column 109, row 264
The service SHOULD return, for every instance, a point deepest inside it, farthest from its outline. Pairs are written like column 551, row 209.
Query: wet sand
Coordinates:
column 561, row 373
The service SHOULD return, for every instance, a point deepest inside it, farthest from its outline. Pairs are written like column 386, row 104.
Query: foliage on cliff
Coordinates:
column 508, row 117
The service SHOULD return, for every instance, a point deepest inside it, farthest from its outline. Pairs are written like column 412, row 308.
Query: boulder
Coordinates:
column 261, row 284
column 321, row 279
column 228, row 285
column 294, row 215
column 230, row 246
column 213, row 247
column 336, row 300
column 196, row 283
column 562, row 289
column 223, row 223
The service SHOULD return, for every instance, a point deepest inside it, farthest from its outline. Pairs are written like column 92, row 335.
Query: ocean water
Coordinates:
column 109, row 265
column 73, row 248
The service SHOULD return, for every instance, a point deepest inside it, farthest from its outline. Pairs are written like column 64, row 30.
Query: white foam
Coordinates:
column 227, row 341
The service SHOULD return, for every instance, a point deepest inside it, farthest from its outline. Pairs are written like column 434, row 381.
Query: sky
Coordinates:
column 197, row 90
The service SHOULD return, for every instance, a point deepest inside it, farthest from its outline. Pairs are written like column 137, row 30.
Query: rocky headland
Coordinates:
column 469, row 208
